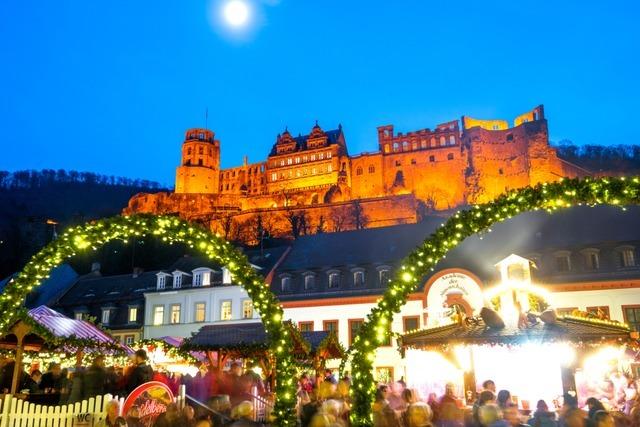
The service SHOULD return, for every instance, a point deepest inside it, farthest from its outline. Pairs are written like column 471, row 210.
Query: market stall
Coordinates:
column 43, row 329
column 534, row 360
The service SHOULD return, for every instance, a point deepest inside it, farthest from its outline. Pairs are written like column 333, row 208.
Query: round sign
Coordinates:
column 149, row 400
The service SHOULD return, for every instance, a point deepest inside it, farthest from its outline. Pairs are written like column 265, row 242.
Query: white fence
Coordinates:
column 16, row 412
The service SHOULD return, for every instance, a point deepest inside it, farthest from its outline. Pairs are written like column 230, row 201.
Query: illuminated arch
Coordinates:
column 550, row 196
column 171, row 230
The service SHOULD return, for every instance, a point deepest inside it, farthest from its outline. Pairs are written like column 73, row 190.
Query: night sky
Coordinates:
column 111, row 86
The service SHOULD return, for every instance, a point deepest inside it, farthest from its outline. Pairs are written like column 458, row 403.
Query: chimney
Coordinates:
column 95, row 268
column 137, row 271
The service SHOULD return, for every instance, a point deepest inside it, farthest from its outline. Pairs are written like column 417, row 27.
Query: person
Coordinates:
column 542, row 417
column 170, row 418
column 133, row 417
column 489, row 385
column 504, row 398
column 141, row 372
column 112, row 415
column 328, row 376
column 94, row 378
column 570, row 414
column 52, row 379
column 383, row 415
column 512, row 416
column 602, row 418
column 242, row 414
column 199, row 386
column 32, row 382
column 188, row 416
column 486, row 397
column 418, row 413
column 491, row 416
column 450, row 413
column 395, row 398
column 6, row 374
column 594, row 406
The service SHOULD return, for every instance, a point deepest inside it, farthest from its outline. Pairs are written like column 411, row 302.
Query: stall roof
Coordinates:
column 241, row 336
column 567, row 328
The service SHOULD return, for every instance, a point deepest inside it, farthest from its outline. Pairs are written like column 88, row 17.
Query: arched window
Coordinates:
column 405, row 146
column 200, row 150
column 452, row 140
column 414, row 145
column 285, row 283
column 372, row 169
column 189, row 151
column 309, row 281
column 358, row 170
column 433, row 142
column 334, row 280
column 443, row 141
column 386, row 148
column 423, row 143
column 396, row 146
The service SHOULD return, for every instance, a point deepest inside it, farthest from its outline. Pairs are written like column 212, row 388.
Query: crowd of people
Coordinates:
column 327, row 404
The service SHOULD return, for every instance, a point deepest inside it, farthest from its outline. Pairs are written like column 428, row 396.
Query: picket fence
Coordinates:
column 15, row 412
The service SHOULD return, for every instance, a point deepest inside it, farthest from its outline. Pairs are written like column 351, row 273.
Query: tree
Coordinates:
column 340, row 218
column 298, row 222
column 358, row 217
column 321, row 225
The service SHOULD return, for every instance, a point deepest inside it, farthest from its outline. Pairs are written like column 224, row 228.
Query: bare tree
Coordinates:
column 321, row 224
column 358, row 217
column 340, row 218
column 298, row 222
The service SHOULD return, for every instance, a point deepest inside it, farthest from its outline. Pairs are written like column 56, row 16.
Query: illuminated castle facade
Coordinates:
column 455, row 164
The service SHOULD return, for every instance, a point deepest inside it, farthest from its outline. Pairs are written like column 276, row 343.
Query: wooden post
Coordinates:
column 20, row 330
column 79, row 356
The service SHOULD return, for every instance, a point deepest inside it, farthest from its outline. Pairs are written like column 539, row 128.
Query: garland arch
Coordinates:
column 171, row 230
column 549, row 196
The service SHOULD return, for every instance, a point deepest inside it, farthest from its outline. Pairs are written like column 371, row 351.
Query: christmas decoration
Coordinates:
column 171, row 230
column 549, row 196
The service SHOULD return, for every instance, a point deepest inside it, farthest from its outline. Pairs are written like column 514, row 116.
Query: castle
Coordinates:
column 313, row 182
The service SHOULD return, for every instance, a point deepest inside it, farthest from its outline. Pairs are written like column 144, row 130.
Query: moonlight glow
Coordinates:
column 236, row 13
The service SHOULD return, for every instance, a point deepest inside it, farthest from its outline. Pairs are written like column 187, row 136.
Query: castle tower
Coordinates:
column 199, row 171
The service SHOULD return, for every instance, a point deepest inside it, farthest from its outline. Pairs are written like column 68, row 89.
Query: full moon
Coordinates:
column 236, row 13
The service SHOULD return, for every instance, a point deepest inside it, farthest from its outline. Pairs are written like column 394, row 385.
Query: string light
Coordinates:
column 549, row 196
column 171, row 230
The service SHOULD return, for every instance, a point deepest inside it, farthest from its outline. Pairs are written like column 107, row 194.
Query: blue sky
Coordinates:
column 111, row 86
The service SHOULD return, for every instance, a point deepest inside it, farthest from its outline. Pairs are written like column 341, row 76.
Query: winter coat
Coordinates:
column 543, row 419
column 141, row 374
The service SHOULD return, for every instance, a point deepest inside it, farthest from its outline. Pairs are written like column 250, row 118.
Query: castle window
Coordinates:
column 304, row 158
column 414, row 145
column 413, row 161
column 199, row 162
column 396, row 146
column 398, row 163
column 423, row 143
column 372, row 169
column 563, row 261
column 282, row 162
column 313, row 171
column 358, row 170
column 443, row 141
column 329, row 168
column 297, row 160
column 320, row 156
column 189, row 151
column 304, row 171
column 201, row 136
column 386, row 148
column 289, row 161
column 274, row 176
column 329, row 155
column 450, row 156
column 433, row 142
column 227, row 187
column 313, row 157
column 452, row 140
column 200, row 150
column 500, row 171
column 405, row 146
column 591, row 259
column 510, row 137
column 210, row 152
column 298, row 173
column 432, row 158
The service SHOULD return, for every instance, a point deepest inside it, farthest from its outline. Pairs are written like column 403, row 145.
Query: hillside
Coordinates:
column 29, row 198
column 602, row 159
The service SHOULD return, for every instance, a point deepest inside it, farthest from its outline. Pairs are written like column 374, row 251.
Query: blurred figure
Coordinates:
column 489, row 385
column 329, row 377
column 417, row 413
column 602, row 418
column 486, row 397
column 542, row 417
column 491, row 416
column 170, row 418
column 594, row 406
column 512, row 416
column 32, row 382
column 383, row 415
column 141, row 372
column 188, row 416
column 395, row 399
column 451, row 414
column 111, row 420
column 570, row 414
column 504, row 399
column 93, row 381
column 52, row 379
column 242, row 415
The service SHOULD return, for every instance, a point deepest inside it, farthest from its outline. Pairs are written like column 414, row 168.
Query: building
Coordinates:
column 410, row 174
column 584, row 258
column 151, row 304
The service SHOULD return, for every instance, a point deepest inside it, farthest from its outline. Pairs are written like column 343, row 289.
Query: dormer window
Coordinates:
column 563, row 261
column 591, row 258
column 106, row 313
column 626, row 256
column 285, row 283
column 383, row 275
column 201, row 277
column 177, row 279
column 161, row 281
column 358, row 278
column 334, row 279
column 226, row 276
column 309, row 281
